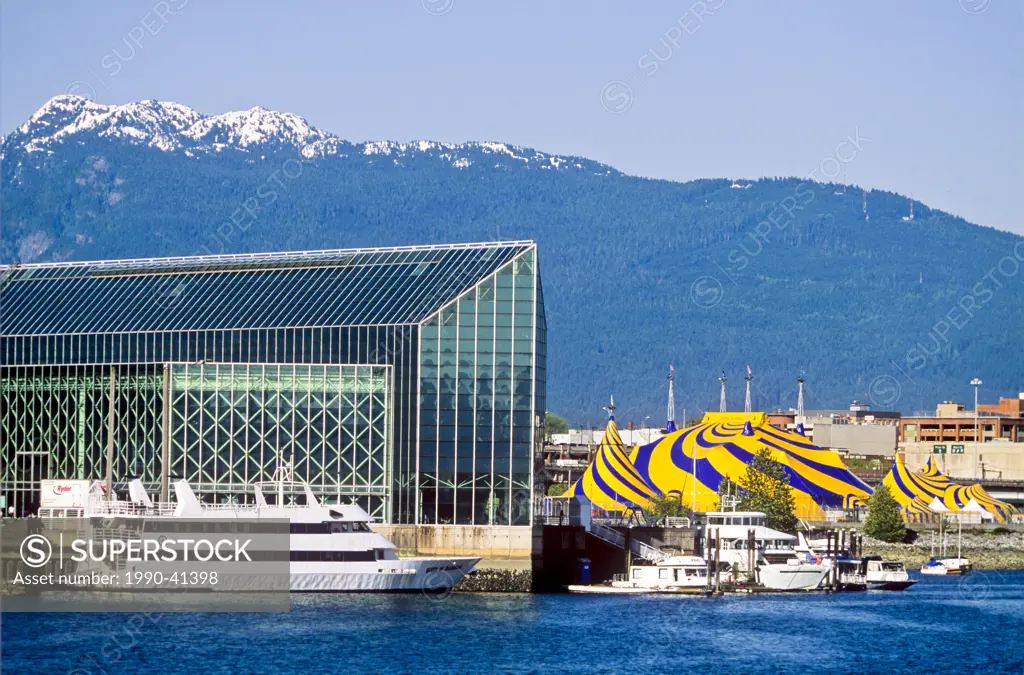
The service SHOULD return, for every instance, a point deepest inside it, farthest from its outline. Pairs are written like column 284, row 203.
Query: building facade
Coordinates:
column 856, row 433
column 410, row 380
column 952, row 423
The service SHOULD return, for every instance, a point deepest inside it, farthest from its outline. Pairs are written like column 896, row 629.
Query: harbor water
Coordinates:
column 973, row 624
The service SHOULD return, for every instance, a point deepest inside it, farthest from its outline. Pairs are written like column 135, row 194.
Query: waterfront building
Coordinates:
column 951, row 423
column 949, row 437
column 410, row 380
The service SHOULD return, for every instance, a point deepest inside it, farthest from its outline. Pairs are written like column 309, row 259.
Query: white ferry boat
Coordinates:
column 333, row 547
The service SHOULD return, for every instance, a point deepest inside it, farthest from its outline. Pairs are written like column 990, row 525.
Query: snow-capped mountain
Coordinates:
column 173, row 127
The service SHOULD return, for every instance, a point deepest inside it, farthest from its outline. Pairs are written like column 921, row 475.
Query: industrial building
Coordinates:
column 410, row 380
column 857, row 432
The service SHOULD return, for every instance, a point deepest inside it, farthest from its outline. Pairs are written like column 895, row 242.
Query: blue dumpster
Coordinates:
column 583, row 571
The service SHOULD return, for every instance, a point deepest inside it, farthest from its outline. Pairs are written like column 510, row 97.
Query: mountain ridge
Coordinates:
column 171, row 126
column 638, row 272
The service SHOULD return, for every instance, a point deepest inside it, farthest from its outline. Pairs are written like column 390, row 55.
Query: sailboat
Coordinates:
column 942, row 564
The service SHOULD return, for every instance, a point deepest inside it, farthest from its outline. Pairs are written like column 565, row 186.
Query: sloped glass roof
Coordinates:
column 354, row 287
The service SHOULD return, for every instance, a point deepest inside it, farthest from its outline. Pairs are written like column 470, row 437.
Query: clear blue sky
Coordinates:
column 760, row 88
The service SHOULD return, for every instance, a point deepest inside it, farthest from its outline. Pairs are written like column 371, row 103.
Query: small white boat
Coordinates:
column 793, row 575
column 939, row 565
column 944, row 566
column 886, row 575
column 608, row 589
column 673, row 573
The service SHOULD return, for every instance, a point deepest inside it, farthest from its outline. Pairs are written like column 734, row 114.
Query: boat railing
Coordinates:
column 116, row 508
column 677, row 522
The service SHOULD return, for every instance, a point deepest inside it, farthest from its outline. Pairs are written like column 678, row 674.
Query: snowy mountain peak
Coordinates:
column 174, row 127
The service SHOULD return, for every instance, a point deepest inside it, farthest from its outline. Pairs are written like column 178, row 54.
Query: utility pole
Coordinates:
column 670, row 425
column 800, row 397
column 976, row 383
column 746, row 405
column 721, row 400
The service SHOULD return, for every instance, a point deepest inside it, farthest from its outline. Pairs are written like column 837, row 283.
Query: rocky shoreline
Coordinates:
column 992, row 550
column 489, row 580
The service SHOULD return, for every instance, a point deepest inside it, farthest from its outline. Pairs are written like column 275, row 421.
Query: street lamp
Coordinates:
column 976, row 383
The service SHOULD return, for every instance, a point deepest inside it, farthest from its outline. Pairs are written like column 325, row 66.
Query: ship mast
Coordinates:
column 721, row 401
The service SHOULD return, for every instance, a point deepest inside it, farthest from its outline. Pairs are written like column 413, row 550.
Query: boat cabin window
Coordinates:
column 663, row 573
column 335, row 556
column 327, row 527
column 675, row 574
column 637, row 573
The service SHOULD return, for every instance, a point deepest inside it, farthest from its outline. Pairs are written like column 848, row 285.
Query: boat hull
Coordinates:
column 609, row 590
column 383, row 576
column 792, row 577
column 890, row 585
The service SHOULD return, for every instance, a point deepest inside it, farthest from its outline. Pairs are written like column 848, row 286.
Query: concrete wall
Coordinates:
column 998, row 458
column 872, row 440
column 500, row 545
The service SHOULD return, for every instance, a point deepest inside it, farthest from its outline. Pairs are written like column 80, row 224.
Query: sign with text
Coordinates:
column 136, row 564
column 939, row 449
column 957, row 449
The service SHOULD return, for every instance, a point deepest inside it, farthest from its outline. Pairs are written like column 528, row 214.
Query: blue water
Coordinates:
column 941, row 625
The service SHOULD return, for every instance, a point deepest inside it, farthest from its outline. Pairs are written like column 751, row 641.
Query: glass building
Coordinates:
column 410, row 380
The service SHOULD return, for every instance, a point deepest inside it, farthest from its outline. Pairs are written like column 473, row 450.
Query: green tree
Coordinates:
column 666, row 506
column 766, row 489
column 884, row 520
column 557, row 489
column 554, row 424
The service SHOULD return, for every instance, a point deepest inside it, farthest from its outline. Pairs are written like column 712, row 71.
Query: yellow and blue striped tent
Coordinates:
column 956, row 497
column 911, row 489
column 919, row 511
column 611, row 482
column 723, row 444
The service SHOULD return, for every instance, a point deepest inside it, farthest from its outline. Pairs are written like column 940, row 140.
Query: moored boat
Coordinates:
column 793, row 575
column 332, row 547
column 946, row 566
column 885, row 575
column 673, row 573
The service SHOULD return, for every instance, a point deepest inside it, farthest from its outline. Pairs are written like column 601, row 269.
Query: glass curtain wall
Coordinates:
column 478, row 366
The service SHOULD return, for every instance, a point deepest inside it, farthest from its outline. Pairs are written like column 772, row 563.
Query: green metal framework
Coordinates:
column 231, row 425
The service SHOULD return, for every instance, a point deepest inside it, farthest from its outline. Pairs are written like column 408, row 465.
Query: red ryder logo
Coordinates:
column 61, row 489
